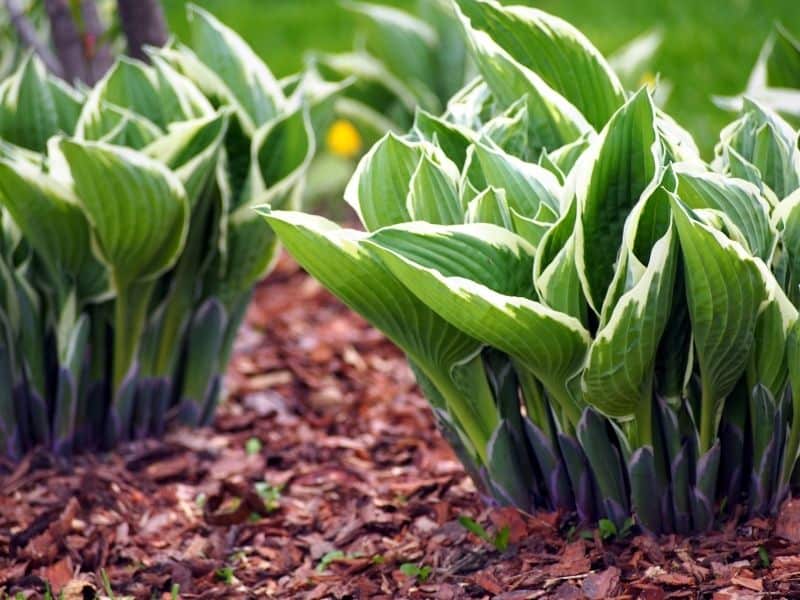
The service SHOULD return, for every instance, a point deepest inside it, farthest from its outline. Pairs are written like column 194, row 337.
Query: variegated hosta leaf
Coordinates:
column 783, row 60
column 227, row 55
column 433, row 191
column 52, row 221
column 28, row 110
column 615, row 172
column 282, row 151
column 768, row 360
column 559, row 53
column 552, row 120
column 619, row 368
column 725, row 292
column 379, row 188
column 509, row 130
column 555, row 271
column 138, row 230
column 763, row 139
column 527, row 185
column 405, row 43
column 102, row 121
column 490, row 206
column 133, row 85
column 477, row 277
column 453, row 139
column 180, row 98
column 739, row 200
column 342, row 261
column 191, row 149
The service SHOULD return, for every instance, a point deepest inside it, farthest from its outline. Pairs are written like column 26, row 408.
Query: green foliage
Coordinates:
column 499, row 540
column 601, row 320
column 419, row 572
column 128, row 246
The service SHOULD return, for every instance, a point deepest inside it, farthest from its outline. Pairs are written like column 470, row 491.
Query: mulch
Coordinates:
column 324, row 477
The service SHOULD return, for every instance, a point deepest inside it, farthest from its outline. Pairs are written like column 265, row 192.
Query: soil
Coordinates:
column 324, row 477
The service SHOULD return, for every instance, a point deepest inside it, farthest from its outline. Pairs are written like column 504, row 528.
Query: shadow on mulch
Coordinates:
column 324, row 477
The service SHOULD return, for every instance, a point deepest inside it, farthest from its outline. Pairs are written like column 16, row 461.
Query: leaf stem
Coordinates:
column 708, row 417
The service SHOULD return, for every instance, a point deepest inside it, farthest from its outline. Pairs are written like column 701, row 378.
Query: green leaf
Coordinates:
column 738, row 199
column 560, row 54
column 227, row 55
column 140, row 229
column 527, row 185
column 191, row 150
column 432, row 192
column 49, row 216
column 446, row 267
column 342, row 262
column 553, row 121
column 132, row 84
column 725, row 292
column 617, row 170
column 379, row 188
column 28, row 111
column 405, row 43
column 619, row 369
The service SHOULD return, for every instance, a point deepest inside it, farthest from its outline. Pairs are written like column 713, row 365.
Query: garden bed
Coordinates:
column 324, row 477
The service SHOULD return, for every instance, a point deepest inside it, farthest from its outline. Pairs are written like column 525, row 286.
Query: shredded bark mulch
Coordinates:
column 324, row 477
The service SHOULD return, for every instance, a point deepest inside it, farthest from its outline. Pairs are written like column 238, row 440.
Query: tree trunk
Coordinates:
column 144, row 25
column 27, row 33
column 97, row 53
column 66, row 40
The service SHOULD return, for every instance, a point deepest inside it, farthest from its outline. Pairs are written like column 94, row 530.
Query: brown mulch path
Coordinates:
column 324, row 477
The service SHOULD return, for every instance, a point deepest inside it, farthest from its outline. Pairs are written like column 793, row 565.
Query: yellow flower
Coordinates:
column 343, row 139
column 648, row 79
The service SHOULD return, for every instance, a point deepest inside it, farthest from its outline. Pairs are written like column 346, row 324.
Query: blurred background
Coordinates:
column 708, row 46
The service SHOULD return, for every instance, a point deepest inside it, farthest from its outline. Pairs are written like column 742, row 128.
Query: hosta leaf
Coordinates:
column 560, row 54
column 180, row 98
column 762, row 138
column 68, row 103
column 115, row 125
column 282, row 150
column 344, row 264
column 447, row 268
column 432, row 194
column 619, row 368
column 132, row 84
column 140, row 228
column 527, row 185
column 451, row 138
column 768, row 360
column 555, row 269
column 405, row 43
column 28, row 111
column 738, row 199
column 50, row 218
column 725, row 292
column 490, row 206
column 613, row 175
column 379, row 187
column 552, row 120
column 191, row 150
column 783, row 61
column 227, row 55
column 509, row 129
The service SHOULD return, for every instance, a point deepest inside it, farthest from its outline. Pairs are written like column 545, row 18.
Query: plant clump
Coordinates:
column 129, row 246
column 602, row 321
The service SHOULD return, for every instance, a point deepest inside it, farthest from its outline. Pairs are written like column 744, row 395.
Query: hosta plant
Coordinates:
column 602, row 321
column 129, row 245
column 775, row 78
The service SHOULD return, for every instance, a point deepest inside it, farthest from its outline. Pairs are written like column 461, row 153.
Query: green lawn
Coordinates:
column 709, row 45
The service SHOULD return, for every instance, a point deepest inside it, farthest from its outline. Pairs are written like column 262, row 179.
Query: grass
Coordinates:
column 709, row 46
